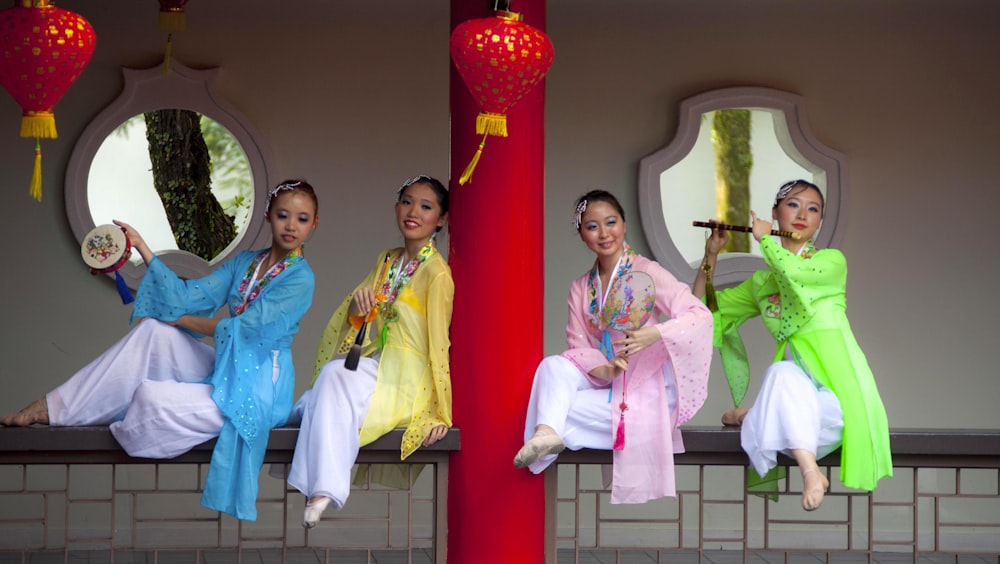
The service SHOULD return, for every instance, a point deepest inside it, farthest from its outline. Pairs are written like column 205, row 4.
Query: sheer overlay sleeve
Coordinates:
column 685, row 338
column 736, row 306
column 165, row 296
column 581, row 346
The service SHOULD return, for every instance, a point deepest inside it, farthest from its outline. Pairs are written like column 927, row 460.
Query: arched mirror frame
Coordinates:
column 147, row 90
column 794, row 136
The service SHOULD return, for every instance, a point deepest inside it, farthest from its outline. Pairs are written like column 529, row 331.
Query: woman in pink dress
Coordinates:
column 627, row 391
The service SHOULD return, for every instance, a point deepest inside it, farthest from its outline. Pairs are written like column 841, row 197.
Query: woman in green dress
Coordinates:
column 819, row 394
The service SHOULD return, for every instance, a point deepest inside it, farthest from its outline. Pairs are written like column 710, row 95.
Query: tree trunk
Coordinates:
column 182, row 177
column 733, row 161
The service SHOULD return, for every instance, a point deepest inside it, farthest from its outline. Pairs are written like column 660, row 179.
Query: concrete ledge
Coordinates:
column 910, row 447
column 58, row 445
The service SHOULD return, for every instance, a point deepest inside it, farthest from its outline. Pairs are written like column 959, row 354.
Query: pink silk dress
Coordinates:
column 644, row 468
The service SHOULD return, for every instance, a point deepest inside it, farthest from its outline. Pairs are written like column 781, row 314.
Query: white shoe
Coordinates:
column 314, row 511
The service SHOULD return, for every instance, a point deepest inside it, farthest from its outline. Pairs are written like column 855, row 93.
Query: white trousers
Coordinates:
column 563, row 398
column 791, row 412
column 148, row 388
column 330, row 416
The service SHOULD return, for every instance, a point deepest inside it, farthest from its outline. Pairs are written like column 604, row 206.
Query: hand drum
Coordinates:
column 105, row 249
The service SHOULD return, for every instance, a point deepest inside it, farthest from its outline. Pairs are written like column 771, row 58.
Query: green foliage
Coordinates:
column 230, row 169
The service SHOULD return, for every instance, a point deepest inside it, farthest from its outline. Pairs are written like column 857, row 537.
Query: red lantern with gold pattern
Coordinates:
column 500, row 59
column 43, row 49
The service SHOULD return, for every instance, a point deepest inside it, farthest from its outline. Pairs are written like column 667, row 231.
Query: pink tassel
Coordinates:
column 620, row 435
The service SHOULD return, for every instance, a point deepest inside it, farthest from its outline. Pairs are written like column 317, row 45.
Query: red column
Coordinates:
column 496, row 231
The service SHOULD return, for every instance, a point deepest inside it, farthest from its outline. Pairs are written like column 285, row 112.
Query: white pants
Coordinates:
column 791, row 412
column 563, row 398
column 148, row 388
column 330, row 416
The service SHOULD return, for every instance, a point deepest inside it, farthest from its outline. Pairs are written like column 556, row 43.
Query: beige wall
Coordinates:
column 353, row 96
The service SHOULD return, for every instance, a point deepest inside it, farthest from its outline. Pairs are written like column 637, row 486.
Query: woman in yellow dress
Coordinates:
column 402, row 379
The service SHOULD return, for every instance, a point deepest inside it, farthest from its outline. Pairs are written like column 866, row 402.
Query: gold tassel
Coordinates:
column 39, row 125
column 36, row 175
column 472, row 165
column 173, row 20
column 167, row 53
column 491, row 124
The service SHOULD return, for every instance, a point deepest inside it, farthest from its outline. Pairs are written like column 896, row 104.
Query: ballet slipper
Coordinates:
column 813, row 489
column 314, row 510
column 541, row 443
column 35, row 412
column 734, row 417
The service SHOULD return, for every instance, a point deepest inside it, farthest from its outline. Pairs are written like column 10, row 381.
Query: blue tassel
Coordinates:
column 606, row 348
column 123, row 290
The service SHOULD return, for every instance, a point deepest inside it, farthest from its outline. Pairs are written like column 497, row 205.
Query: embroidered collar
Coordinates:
column 808, row 250
column 398, row 277
column 250, row 288
column 597, row 293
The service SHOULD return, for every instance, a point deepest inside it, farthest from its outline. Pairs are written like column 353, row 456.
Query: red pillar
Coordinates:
column 496, row 231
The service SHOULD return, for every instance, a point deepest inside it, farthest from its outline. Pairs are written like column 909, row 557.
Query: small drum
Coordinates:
column 105, row 249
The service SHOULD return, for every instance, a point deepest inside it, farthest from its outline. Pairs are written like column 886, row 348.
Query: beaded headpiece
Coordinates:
column 578, row 215
column 787, row 187
column 273, row 191
column 410, row 182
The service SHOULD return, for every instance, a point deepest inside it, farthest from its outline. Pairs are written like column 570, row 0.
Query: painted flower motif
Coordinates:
column 594, row 320
column 396, row 280
column 773, row 308
column 102, row 246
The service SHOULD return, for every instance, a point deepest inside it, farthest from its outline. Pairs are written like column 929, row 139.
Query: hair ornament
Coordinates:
column 279, row 188
column 578, row 216
column 787, row 187
column 411, row 182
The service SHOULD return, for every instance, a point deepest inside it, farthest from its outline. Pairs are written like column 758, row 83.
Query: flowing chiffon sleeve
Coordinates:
column 735, row 306
column 433, row 403
column 581, row 347
column 685, row 338
column 165, row 296
column 803, row 283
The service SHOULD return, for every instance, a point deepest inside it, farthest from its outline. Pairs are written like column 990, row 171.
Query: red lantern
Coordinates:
column 500, row 59
column 43, row 49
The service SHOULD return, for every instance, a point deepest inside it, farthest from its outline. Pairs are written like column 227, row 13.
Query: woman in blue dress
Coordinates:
column 163, row 391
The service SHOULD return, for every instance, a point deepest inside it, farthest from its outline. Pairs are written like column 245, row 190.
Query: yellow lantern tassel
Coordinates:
column 491, row 124
column 472, row 164
column 173, row 19
column 167, row 53
column 38, row 125
column 36, row 175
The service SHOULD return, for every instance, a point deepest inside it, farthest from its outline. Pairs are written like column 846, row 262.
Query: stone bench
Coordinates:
column 95, row 445
column 720, row 446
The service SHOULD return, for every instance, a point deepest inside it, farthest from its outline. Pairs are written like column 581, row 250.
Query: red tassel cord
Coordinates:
column 623, row 406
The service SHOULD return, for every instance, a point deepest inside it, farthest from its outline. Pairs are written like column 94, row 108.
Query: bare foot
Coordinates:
column 734, row 417
column 35, row 412
column 544, row 441
column 814, row 485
